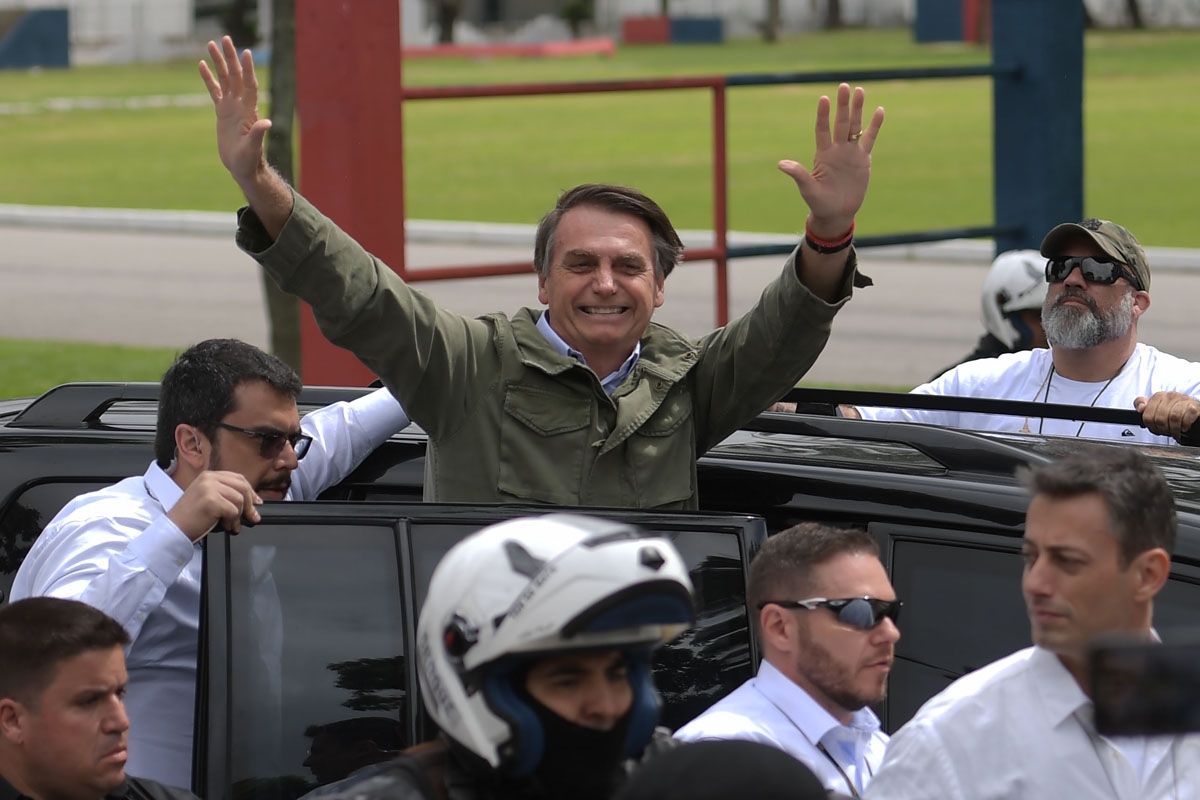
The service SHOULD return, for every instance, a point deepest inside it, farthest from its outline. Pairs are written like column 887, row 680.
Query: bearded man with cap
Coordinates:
column 1099, row 286
column 533, row 654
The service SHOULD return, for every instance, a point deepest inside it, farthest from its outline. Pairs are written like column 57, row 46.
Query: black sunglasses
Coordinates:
column 863, row 613
column 1095, row 269
column 271, row 444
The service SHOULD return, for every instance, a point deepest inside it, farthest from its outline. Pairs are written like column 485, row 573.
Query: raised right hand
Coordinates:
column 215, row 496
column 234, row 92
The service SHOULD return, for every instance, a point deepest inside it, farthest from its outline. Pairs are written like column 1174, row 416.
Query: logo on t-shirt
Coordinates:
column 1127, row 432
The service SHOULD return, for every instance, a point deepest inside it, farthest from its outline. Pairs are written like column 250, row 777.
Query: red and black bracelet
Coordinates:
column 826, row 247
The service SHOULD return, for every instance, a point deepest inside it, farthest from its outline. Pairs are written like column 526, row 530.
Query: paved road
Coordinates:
column 171, row 290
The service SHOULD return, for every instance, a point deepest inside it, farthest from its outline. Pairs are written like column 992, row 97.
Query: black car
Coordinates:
column 349, row 573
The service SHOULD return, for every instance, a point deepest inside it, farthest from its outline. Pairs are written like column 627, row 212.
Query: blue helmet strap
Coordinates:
column 643, row 715
column 504, row 690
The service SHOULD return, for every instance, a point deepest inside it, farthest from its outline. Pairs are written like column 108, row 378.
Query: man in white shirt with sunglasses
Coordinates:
column 826, row 615
column 1099, row 287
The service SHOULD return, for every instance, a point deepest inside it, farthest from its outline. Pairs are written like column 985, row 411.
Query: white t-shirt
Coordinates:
column 1027, row 376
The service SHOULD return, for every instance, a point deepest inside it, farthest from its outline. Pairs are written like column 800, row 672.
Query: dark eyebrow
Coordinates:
column 566, row 669
column 580, row 252
column 1067, row 550
column 271, row 430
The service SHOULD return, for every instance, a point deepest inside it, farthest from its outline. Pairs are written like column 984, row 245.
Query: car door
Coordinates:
column 310, row 618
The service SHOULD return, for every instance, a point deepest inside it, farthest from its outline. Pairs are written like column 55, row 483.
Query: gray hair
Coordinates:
column 668, row 248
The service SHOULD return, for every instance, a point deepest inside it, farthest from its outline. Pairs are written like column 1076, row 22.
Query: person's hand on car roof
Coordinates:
column 1168, row 413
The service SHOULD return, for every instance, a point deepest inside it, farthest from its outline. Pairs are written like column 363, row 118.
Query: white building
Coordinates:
column 121, row 31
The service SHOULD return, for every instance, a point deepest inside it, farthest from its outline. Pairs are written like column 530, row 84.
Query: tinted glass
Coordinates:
column 317, row 638
column 704, row 663
column 962, row 609
column 1175, row 610
column 24, row 519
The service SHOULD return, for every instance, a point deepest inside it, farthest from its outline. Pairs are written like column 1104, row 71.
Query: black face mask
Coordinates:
column 578, row 763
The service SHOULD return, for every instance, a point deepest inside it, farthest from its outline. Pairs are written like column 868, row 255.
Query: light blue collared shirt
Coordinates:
column 610, row 383
column 769, row 708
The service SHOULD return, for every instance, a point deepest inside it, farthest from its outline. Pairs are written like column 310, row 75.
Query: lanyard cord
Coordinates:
column 838, row 767
column 1096, row 399
column 849, row 783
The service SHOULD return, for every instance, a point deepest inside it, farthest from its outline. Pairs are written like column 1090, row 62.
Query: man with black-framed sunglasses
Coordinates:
column 826, row 615
column 228, row 436
column 1098, row 288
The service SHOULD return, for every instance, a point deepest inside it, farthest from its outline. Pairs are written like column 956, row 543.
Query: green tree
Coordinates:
column 575, row 13
column 773, row 23
column 833, row 14
column 445, row 12
column 240, row 22
column 1135, row 14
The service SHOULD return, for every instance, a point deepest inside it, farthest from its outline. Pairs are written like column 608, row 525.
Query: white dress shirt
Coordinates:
column 771, row 709
column 116, row 549
column 1021, row 729
column 608, row 383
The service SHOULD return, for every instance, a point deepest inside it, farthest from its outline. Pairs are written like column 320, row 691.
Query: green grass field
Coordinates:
column 28, row 368
column 504, row 160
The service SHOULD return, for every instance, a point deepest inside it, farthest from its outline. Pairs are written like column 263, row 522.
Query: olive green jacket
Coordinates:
column 510, row 419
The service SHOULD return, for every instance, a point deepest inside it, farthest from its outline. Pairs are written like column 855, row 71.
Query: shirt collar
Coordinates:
column 1057, row 688
column 162, row 487
column 806, row 713
column 611, row 382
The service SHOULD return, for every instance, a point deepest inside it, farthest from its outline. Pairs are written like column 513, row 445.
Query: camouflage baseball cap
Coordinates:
column 1110, row 237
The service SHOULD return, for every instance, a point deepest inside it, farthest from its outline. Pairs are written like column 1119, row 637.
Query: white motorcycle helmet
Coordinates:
column 1016, row 282
column 535, row 587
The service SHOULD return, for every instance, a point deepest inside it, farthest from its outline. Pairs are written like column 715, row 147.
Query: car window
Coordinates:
column 1175, row 607
column 962, row 609
column 24, row 519
column 317, row 633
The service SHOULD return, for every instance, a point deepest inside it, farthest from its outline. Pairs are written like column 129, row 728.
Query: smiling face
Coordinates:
column 842, row 667
column 258, row 407
column 74, row 737
column 601, row 286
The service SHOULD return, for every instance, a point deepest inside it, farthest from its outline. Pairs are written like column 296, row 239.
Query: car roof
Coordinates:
column 898, row 448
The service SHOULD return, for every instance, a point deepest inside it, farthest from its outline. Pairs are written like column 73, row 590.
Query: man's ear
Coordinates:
column 12, row 720
column 192, row 447
column 1141, row 304
column 775, row 624
column 1152, row 568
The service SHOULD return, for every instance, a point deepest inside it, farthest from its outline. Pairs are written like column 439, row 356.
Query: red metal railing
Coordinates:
column 716, row 253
